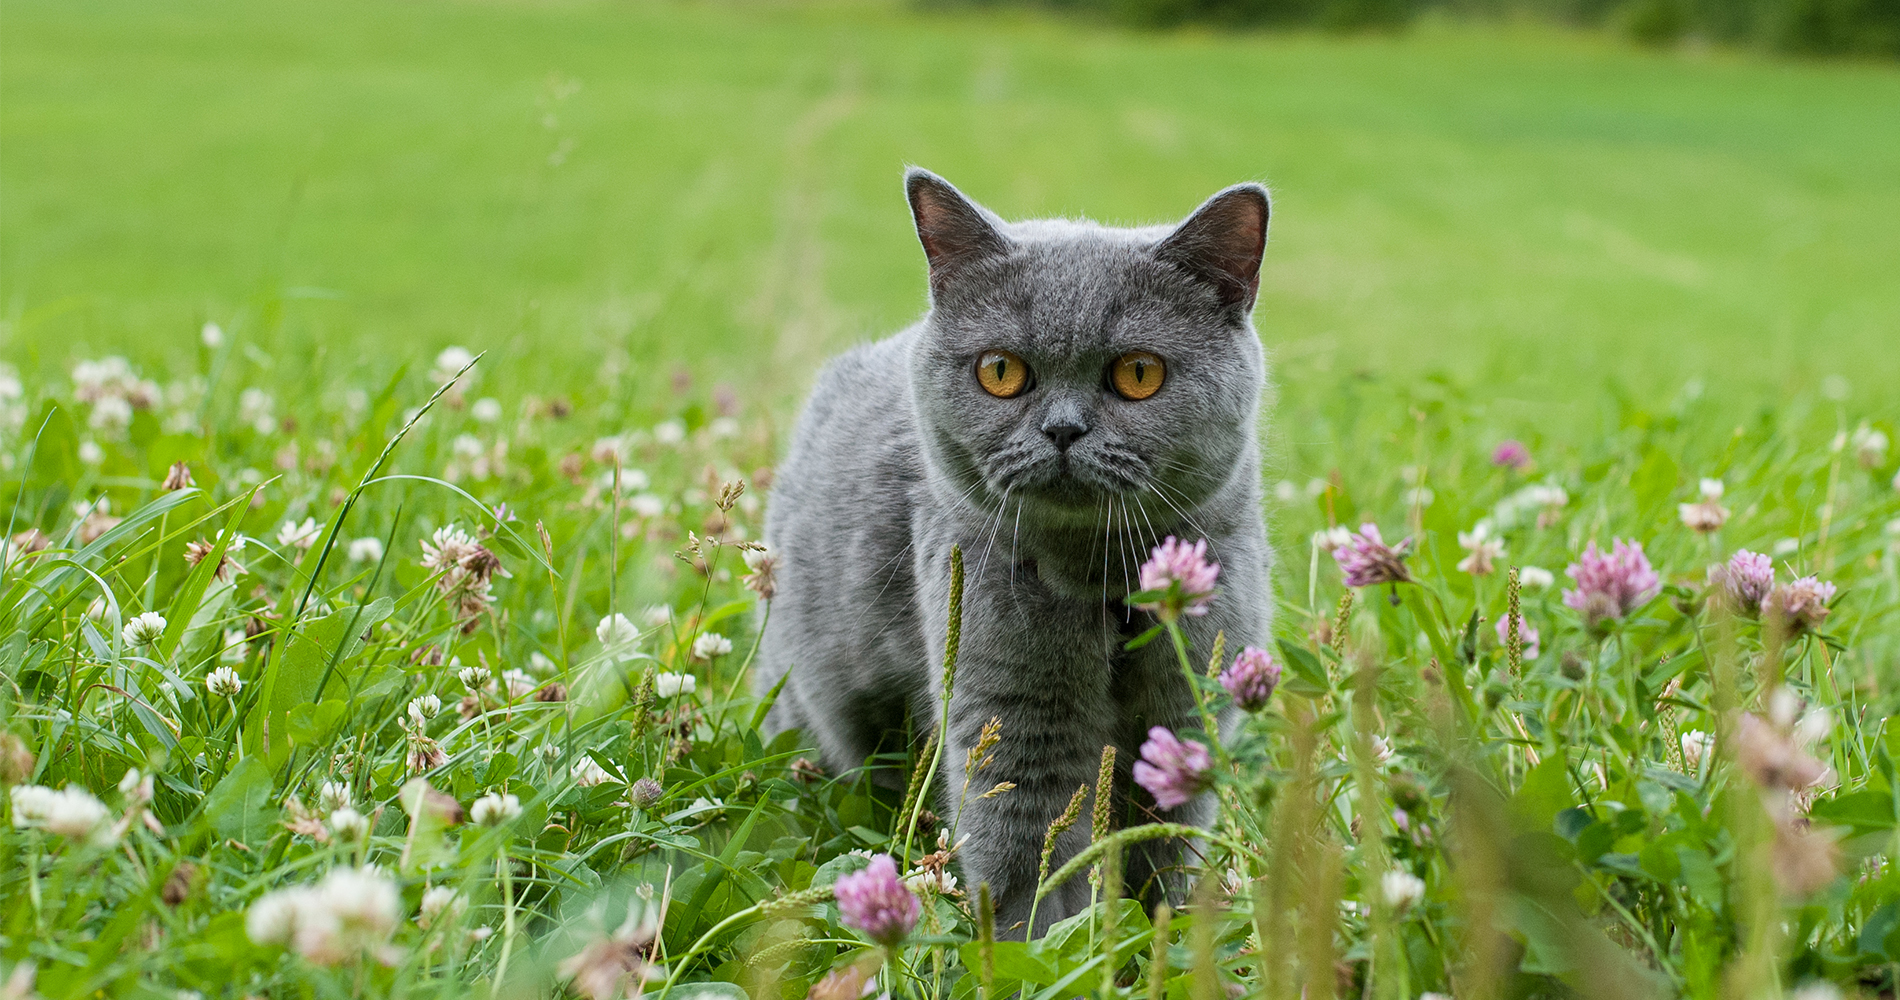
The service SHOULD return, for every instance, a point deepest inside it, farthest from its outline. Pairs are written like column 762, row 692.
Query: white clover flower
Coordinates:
column 233, row 648
column 519, row 684
column 111, row 414
column 472, row 678
column 224, row 682
column 711, row 646
column 646, row 505
column 1814, row 726
column 1786, row 547
column 1870, row 447
column 1401, row 888
column 333, row 795
column 366, row 549
column 1819, row 989
column 670, row 432
column 539, row 663
column 588, row 773
column 657, row 616
column 144, row 629
column 349, row 825
column 486, row 409
column 467, row 446
column 494, row 810
column 1535, row 577
column 255, row 407
column 302, row 536
column 72, row 813
column 453, row 359
column 667, row 684
column 1486, row 549
column 349, row 913
column 273, row 918
column 90, row 452
column 1328, row 539
column 616, row 633
column 940, row 881
column 211, row 335
column 723, row 427
column 423, row 709
column 631, row 480
column 1711, row 489
column 1696, row 747
column 440, row 901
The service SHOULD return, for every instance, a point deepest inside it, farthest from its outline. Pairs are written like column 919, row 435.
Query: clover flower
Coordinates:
column 1183, row 577
column 1745, row 580
column 348, row 915
column 1367, row 561
column 876, row 902
column 711, row 646
column 423, row 708
column 228, row 568
column 1707, row 514
column 438, row 902
column 1800, row 606
column 1173, row 770
column 1511, row 454
column 1401, row 888
column 667, row 684
column 1526, row 634
column 301, row 536
column 1611, row 585
column 369, row 548
column 73, row 813
column 349, row 825
column 1251, row 679
column 224, row 682
column 763, row 580
column 1535, row 577
column 618, row 965
column 1485, row 547
column 616, row 633
column 178, row 477
column 587, row 773
column 1328, row 540
column 466, row 571
column 1696, row 747
column 333, row 795
column 144, row 630
column 451, row 360
column 494, row 809
column 645, row 792
column 1870, row 447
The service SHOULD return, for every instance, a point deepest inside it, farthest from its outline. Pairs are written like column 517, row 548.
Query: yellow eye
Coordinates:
column 1137, row 374
column 1002, row 374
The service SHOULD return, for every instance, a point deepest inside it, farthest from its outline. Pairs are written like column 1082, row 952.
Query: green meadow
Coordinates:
column 339, row 662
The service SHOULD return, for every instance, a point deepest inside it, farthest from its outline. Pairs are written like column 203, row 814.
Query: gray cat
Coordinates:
column 1075, row 394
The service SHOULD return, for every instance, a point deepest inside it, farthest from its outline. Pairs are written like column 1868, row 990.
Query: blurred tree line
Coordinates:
column 1814, row 27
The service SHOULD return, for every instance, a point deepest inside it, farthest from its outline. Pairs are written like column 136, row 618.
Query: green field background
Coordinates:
column 600, row 190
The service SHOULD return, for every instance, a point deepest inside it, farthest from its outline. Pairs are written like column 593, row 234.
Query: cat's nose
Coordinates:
column 1064, row 431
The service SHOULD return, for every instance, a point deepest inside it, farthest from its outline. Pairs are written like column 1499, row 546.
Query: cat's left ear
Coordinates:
column 1221, row 243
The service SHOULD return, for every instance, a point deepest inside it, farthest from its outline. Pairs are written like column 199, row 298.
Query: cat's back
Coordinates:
column 839, row 519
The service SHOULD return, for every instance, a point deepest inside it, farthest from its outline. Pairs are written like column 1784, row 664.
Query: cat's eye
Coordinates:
column 1002, row 374
column 1137, row 374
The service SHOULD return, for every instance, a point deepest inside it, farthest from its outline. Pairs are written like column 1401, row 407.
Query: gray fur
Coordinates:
column 900, row 454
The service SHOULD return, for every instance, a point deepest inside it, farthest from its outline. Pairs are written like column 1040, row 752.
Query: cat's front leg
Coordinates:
column 1037, row 665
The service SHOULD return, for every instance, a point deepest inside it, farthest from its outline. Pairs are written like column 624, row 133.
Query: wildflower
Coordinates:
column 617, row 965
column 1547, row 500
column 440, row 901
column 843, row 983
column 1612, row 585
column 487, row 410
column 667, row 684
column 333, row 795
column 72, row 813
column 27, row 542
column 1485, row 548
column 495, row 809
column 1180, row 577
column 587, row 773
column 645, row 793
column 1707, row 514
column 424, row 708
column 616, row 632
column 1251, row 679
column 472, row 678
column 710, row 647
column 301, row 536
column 1870, row 447
column 424, row 753
column 466, row 570
column 763, row 580
column 1401, row 888
column 1526, row 634
column 211, row 335
column 453, row 359
column 1746, row 580
column 1696, row 747
column 224, row 682
column 878, row 903
column 1771, row 759
column 1368, row 561
column 228, row 568
column 670, row 432
column 1171, row 769
column 1800, row 606
column 96, row 523
column 178, row 477
column 1511, row 454
column 366, row 549
column 349, row 825
column 144, row 629
column 1328, row 539
column 938, row 880
column 350, row 913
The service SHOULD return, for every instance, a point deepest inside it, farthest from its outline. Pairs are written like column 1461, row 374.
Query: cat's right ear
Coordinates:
column 954, row 230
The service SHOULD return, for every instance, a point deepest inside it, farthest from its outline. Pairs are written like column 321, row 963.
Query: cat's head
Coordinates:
column 1066, row 363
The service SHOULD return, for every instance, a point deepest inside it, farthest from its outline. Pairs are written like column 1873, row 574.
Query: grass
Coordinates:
column 1647, row 266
